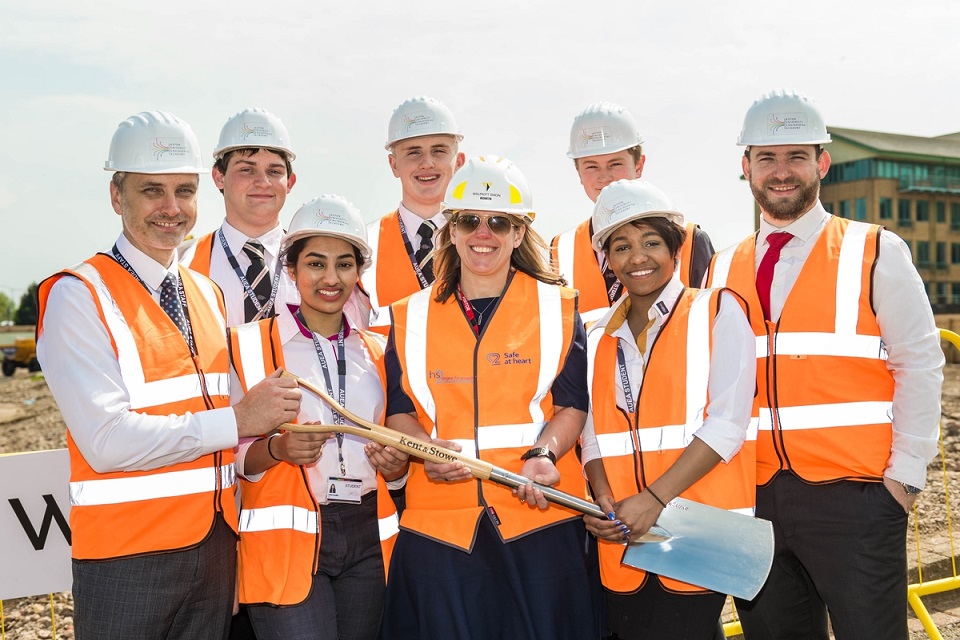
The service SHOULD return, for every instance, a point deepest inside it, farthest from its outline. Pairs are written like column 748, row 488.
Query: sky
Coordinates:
column 514, row 74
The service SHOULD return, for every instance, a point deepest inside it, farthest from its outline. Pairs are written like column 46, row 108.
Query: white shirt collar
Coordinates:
column 236, row 239
column 412, row 222
column 804, row 227
column 150, row 271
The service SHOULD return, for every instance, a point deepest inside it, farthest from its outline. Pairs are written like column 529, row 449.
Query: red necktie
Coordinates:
column 765, row 270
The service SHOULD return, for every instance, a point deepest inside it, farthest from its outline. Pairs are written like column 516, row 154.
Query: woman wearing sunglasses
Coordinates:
column 489, row 361
column 673, row 379
column 317, row 522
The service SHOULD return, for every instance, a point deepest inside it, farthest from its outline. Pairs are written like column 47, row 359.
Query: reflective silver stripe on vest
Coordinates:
column 823, row 416
column 149, row 394
column 849, row 278
column 250, row 343
column 418, row 306
column 380, row 315
column 721, row 267
column 389, row 526
column 824, row 344
column 551, row 346
column 566, row 249
column 675, row 436
column 698, row 359
column 283, row 516
column 88, row 493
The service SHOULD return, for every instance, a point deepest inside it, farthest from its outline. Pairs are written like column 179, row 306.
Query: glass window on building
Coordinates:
column 903, row 212
column 886, row 208
column 860, row 209
column 955, row 293
column 909, row 248
column 923, row 253
column 923, row 211
column 844, row 209
column 955, row 252
column 955, row 215
column 941, row 211
column 941, row 297
column 941, row 254
column 828, row 207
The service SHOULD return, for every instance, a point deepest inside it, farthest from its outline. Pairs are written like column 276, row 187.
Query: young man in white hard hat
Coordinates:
column 134, row 351
column 423, row 141
column 606, row 146
column 252, row 169
column 849, row 389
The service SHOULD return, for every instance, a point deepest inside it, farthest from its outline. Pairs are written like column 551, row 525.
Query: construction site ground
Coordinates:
column 30, row 421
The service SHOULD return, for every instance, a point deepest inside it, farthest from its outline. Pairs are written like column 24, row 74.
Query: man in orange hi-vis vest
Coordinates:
column 606, row 146
column 134, row 351
column 849, row 370
column 423, row 140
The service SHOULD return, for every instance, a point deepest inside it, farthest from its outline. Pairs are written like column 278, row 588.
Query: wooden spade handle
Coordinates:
column 433, row 453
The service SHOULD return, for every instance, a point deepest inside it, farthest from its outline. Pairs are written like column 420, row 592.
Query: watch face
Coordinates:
column 911, row 490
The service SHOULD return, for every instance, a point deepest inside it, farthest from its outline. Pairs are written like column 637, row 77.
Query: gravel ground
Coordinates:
column 30, row 421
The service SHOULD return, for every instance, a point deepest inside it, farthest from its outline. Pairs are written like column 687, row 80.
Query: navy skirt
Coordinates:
column 542, row 585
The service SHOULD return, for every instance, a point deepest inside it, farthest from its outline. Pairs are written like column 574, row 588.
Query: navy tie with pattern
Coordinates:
column 170, row 302
column 426, row 246
column 259, row 278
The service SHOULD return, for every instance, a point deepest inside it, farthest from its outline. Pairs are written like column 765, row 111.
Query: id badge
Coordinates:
column 344, row 490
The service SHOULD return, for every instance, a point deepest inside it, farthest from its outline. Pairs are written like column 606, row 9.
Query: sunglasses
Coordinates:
column 498, row 224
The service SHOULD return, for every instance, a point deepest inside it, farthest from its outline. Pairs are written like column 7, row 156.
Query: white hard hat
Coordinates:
column 624, row 201
column 781, row 117
column 603, row 127
column 329, row 215
column 154, row 142
column 421, row 116
column 489, row 183
column 254, row 128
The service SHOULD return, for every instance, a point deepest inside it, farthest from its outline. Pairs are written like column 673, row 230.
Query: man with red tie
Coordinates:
column 849, row 370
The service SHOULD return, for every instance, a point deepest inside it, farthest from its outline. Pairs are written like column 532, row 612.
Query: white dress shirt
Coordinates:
column 733, row 364
column 364, row 397
column 226, row 277
column 412, row 222
column 83, row 374
column 907, row 330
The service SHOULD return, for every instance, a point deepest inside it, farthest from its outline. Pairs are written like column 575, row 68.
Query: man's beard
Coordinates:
column 786, row 208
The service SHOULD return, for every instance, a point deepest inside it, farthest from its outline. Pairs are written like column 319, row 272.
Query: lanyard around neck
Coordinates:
column 262, row 310
column 412, row 254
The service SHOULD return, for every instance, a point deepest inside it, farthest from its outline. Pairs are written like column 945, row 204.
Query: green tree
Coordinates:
column 27, row 311
column 7, row 307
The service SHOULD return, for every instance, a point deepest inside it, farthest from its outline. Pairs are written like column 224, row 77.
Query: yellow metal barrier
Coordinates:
column 920, row 588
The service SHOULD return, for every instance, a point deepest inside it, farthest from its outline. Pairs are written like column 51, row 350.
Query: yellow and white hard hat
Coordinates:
column 155, row 142
column 329, row 215
column 783, row 117
column 601, row 128
column 254, row 128
column 421, row 116
column 489, row 183
column 624, row 201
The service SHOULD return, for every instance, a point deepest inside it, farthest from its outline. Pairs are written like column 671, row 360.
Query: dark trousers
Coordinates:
column 654, row 612
column 346, row 600
column 839, row 547
column 183, row 595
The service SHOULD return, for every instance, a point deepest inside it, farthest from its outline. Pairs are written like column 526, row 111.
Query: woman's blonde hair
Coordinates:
column 529, row 257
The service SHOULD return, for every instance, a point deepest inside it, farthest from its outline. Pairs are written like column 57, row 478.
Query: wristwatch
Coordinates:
column 540, row 452
column 910, row 489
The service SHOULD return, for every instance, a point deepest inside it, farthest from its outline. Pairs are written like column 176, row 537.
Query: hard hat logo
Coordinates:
column 787, row 123
column 419, row 120
column 487, row 185
column 167, row 148
column 253, row 130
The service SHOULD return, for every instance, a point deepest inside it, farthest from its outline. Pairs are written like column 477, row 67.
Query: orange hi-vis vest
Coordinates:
column 491, row 395
column 202, row 254
column 638, row 448
column 391, row 277
column 572, row 253
column 280, row 521
column 126, row 513
column 826, row 395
